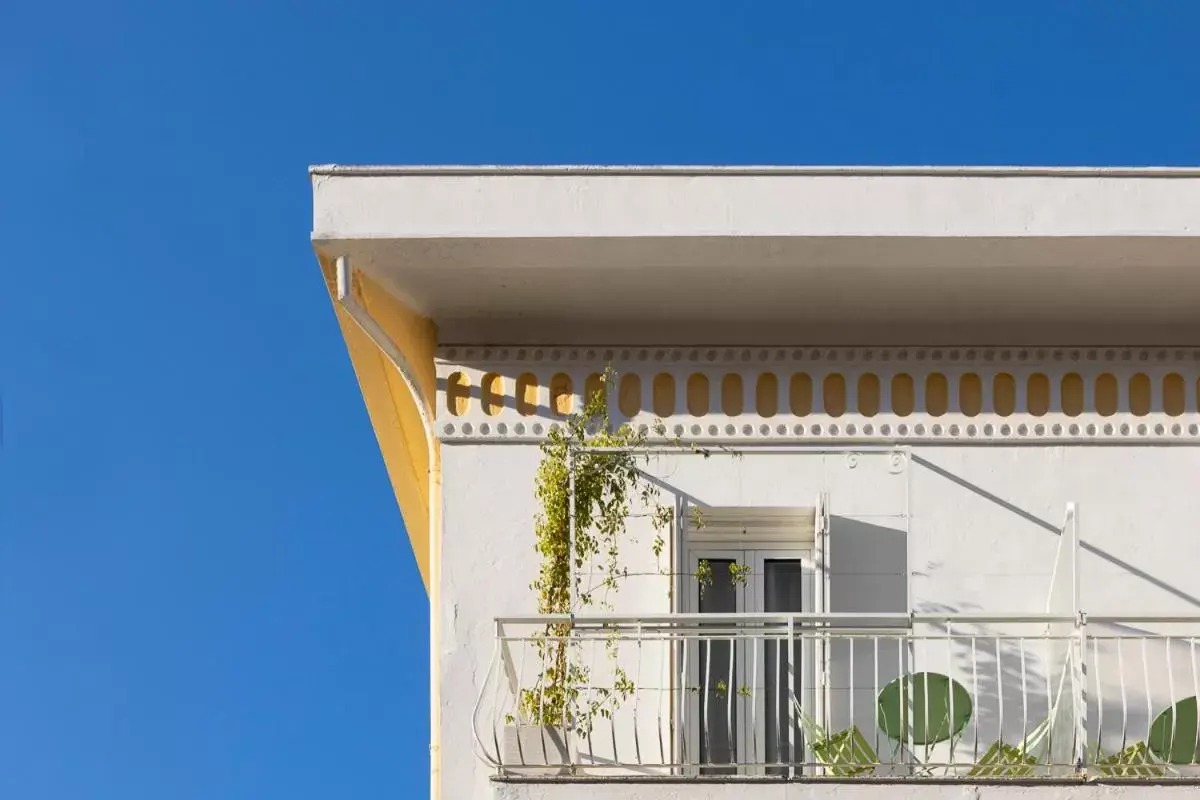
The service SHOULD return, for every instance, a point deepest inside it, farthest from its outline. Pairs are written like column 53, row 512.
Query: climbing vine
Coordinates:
column 609, row 488
column 607, row 484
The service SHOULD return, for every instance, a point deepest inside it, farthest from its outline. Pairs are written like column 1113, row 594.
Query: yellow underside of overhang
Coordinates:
column 393, row 410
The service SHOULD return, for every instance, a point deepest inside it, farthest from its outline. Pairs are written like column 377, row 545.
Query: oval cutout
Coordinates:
column 595, row 392
column 937, row 394
column 458, row 394
column 491, row 393
column 766, row 395
column 904, row 394
column 562, row 394
column 833, row 394
column 970, row 394
column 868, row 394
column 1174, row 394
column 732, row 396
column 1108, row 394
column 630, row 395
column 800, row 394
column 527, row 391
column 1004, row 394
column 1140, row 393
column 1037, row 398
column 1071, row 399
column 664, row 395
column 697, row 394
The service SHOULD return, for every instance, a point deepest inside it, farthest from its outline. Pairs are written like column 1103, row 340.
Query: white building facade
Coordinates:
column 922, row 445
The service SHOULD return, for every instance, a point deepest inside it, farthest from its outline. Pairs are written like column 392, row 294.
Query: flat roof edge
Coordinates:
column 349, row 170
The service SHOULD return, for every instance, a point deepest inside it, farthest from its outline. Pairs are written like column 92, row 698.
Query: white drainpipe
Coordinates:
column 383, row 341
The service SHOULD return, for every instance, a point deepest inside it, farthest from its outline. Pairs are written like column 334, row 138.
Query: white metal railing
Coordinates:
column 961, row 696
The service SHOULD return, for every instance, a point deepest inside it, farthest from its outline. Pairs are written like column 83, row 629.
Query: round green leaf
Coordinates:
column 1173, row 734
column 917, row 708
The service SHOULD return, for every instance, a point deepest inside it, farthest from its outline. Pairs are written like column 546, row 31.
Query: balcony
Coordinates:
column 842, row 697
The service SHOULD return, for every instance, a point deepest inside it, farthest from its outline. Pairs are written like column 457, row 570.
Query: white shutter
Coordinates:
column 730, row 524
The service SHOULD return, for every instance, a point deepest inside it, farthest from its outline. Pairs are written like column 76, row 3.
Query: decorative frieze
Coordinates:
column 828, row 394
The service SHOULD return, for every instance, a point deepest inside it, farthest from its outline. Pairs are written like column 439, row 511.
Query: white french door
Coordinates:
column 745, row 674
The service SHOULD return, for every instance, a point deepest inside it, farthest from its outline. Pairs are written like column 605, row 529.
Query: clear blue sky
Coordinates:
column 205, row 589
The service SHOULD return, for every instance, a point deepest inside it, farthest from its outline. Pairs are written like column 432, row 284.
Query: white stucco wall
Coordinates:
column 983, row 522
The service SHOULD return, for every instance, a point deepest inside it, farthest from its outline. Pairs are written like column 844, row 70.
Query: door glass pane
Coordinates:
column 718, row 678
column 783, row 592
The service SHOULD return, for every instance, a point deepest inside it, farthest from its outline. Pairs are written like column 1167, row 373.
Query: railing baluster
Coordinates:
column 851, row 681
column 1024, row 695
column 826, row 678
column 1099, row 692
column 662, row 757
column 730, row 690
column 637, row 744
column 875, row 688
column 1051, row 708
column 999, row 689
column 565, row 721
column 520, row 677
column 1079, row 684
column 684, row 700
column 905, row 705
column 1146, row 679
column 1171, row 692
column 705, row 689
column 591, row 723
column 500, row 653
column 950, row 673
column 781, row 693
column 753, row 698
column 925, row 677
column 612, row 719
column 1124, row 696
column 1195, row 691
column 542, row 708
column 791, row 706
column 975, row 690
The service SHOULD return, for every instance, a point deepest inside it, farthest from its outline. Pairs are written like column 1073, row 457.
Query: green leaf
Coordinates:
column 846, row 754
column 1135, row 761
column 1004, row 761
column 1173, row 734
column 918, row 708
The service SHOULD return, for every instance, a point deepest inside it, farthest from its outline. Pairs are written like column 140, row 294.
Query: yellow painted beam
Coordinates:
column 392, row 409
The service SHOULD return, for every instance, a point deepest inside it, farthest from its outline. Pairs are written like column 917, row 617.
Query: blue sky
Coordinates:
column 205, row 588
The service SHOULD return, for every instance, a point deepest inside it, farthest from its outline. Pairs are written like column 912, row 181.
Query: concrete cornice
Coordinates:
column 770, row 245
column 806, row 171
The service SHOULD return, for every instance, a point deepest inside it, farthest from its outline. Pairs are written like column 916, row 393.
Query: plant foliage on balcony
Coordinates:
column 845, row 754
column 1004, row 761
column 606, row 487
column 1135, row 761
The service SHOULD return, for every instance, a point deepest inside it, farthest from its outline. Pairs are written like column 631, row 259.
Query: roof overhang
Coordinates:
column 775, row 255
